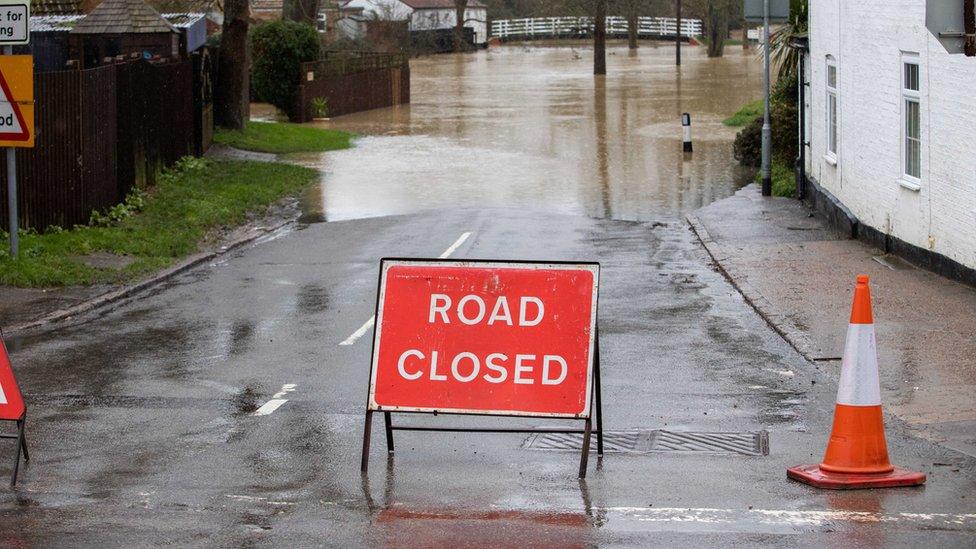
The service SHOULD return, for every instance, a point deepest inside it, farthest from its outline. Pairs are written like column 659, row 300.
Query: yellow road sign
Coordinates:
column 16, row 101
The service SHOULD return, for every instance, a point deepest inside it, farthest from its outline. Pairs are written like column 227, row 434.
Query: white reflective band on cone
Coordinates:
column 859, row 384
column 3, row 397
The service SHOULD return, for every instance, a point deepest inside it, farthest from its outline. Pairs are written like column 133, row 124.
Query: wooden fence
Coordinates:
column 100, row 132
column 574, row 27
column 353, row 82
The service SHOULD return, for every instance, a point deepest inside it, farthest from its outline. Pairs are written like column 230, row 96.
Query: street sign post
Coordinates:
column 766, row 11
column 12, row 408
column 16, row 103
column 486, row 338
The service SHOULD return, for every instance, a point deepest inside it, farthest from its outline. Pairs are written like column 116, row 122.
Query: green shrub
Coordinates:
column 748, row 143
column 279, row 48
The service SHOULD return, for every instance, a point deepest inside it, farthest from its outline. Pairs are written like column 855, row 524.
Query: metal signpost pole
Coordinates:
column 767, row 183
column 677, row 36
column 12, row 188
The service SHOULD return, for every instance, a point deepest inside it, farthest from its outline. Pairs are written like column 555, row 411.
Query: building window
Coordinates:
column 911, row 128
column 832, row 107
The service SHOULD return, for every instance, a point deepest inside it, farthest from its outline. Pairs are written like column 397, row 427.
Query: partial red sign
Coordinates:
column 11, row 403
column 498, row 338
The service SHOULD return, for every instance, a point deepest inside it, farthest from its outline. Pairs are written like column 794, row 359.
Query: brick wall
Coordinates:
column 869, row 40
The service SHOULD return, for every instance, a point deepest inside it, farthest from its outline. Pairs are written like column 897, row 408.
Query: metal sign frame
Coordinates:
column 593, row 406
column 779, row 11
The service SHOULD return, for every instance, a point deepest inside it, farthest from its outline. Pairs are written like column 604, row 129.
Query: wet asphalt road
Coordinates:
column 141, row 418
column 142, row 429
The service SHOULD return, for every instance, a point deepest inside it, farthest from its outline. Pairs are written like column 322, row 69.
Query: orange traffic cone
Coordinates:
column 857, row 454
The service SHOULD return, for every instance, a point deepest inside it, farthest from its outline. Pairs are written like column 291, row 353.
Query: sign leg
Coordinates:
column 23, row 438
column 367, row 429
column 599, row 400
column 389, row 431
column 585, row 455
column 20, row 440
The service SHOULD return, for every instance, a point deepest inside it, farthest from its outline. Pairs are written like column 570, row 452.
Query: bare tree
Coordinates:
column 232, row 107
column 717, row 23
column 631, row 10
column 600, row 38
column 460, row 14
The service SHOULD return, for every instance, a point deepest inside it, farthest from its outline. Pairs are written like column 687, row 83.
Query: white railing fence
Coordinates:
column 540, row 27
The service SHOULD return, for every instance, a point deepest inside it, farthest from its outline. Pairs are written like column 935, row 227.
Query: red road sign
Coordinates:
column 11, row 403
column 495, row 338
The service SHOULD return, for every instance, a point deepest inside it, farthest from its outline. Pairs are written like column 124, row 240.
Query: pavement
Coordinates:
column 143, row 430
column 800, row 275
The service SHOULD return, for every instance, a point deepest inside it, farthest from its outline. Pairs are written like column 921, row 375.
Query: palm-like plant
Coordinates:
column 782, row 55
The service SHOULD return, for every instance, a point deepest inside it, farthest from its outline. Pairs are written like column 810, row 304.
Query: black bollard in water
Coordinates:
column 686, row 127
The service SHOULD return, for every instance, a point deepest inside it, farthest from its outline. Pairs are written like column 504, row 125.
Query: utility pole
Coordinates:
column 677, row 35
column 12, row 222
column 767, row 182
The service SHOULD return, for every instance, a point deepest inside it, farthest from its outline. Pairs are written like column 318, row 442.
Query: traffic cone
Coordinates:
column 857, row 454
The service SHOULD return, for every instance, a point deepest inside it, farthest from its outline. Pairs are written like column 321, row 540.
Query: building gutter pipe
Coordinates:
column 969, row 24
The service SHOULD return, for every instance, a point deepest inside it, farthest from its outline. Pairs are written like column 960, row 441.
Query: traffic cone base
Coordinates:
column 815, row 476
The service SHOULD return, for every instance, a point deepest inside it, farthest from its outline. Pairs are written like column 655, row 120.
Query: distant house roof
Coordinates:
column 184, row 20
column 55, row 7
column 64, row 23
column 439, row 4
column 266, row 5
column 54, row 23
column 123, row 17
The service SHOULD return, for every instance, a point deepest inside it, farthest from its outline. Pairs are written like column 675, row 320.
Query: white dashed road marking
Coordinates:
column 354, row 337
column 276, row 400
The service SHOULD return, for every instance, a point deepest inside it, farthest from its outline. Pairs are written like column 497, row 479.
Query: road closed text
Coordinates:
column 466, row 366
column 515, row 338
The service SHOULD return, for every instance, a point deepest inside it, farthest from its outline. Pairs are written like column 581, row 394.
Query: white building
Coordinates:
column 891, row 125
column 427, row 15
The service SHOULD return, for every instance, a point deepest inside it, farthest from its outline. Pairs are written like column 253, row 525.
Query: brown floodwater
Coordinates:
column 528, row 126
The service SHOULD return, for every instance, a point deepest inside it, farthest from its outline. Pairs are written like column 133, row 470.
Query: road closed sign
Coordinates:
column 11, row 403
column 479, row 337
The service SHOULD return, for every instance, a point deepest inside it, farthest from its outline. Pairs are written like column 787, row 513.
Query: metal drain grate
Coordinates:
column 613, row 441
column 645, row 441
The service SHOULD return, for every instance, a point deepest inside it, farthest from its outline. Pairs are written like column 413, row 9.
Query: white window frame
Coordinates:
column 907, row 96
column 831, row 99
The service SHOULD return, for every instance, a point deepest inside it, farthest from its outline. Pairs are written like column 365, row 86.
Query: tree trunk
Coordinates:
column 301, row 11
column 460, row 7
column 632, row 30
column 632, row 27
column 232, row 106
column 600, row 38
column 718, row 27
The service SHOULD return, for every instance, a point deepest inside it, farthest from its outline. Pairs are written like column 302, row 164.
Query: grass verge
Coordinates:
column 783, row 178
column 161, row 226
column 283, row 137
column 748, row 113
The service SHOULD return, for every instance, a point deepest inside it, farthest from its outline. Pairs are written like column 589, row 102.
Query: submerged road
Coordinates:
column 226, row 407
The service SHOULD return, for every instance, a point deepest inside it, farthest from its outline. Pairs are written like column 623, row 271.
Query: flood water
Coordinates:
column 528, row 126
